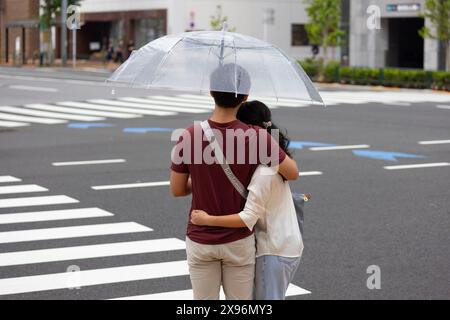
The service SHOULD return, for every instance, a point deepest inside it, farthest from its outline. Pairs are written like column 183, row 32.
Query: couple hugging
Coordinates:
column 242, row 233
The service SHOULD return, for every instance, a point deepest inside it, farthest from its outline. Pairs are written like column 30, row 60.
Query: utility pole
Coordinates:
column 63, row 32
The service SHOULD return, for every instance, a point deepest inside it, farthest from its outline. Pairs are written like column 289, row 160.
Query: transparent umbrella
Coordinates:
column 207, row 61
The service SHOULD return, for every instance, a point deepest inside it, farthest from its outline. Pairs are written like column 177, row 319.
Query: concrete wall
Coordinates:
column 368, row 47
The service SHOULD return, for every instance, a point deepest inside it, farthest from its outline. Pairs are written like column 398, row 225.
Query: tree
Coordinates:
column 50, row 10
column 438, row 13
column 218, row 19
column 324, row 24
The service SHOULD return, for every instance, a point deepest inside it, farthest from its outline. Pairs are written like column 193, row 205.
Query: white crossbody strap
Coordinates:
column 209, row 134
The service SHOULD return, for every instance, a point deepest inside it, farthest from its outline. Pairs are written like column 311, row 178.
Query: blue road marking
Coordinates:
column 145, row 130
column 385, row 155
column 303, row 144
column 89, row 125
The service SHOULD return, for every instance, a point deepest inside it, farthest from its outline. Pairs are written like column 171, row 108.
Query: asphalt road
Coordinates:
column 361, row 214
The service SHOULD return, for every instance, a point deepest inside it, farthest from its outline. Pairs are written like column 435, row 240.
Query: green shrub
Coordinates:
column 312, row 67
column 405, row 78
column 331, row 71
column 345, row 75
column 441, row 80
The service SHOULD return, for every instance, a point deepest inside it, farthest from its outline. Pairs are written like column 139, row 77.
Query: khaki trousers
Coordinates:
column 231, row 265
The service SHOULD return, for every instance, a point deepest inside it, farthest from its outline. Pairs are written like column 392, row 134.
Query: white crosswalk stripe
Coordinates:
column 71, row 232
column 94, row 106
column 208, row 104
column 4, row 179
column 49, row 107
column 12, row 124
column 144, row 106
column 34, row 283
column 36, row 201
column 48, row 114
column 93, row 277
column 292, row 290
column 160, row 106
column 172, row 106
column 6, row 116
column 53, row 215
column 90, row 251
column 25, row 188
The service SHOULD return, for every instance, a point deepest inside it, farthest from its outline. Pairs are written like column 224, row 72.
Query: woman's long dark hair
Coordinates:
column 258, row 114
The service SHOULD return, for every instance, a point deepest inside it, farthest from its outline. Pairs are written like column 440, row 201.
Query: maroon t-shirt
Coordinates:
column 211, row 189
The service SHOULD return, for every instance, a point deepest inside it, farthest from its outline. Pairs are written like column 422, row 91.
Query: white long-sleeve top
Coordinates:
column 270, row 209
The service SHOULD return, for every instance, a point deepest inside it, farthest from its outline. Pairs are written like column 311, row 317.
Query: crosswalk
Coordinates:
column 160, row 106
column 35, row 255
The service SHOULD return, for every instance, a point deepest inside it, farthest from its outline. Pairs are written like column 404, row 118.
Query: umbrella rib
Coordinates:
column 299, row 77
column 203, row 74
column 164, row 59
column 270, row 76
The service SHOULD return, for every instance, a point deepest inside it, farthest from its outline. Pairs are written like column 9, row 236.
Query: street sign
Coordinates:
column 404, row 7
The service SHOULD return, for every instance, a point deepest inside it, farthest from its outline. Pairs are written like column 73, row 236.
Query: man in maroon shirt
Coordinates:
column 223, row 256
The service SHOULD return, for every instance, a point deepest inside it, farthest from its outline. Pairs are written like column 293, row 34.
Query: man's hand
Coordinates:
column 200, row 217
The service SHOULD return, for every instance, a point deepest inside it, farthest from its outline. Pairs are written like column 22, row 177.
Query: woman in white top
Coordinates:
column 270, row 210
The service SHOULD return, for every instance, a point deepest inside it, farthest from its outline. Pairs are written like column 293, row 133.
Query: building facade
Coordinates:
column 385, row 33
column 280, row 22
column 19, row 30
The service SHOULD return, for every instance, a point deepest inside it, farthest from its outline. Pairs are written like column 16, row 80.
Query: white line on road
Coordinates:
column 90, row 251
column 145, row 106
column 93, row 277
column 38, row 113
column 309, row 173
column 91, row 106
column 72, row 232
column 132, row 185
column 358, row 146
column 53, row 215
column 443, row 107
column 9, row 179
column 35, row 201
column 31, row 88
column 415, row 166
column 397, row 103
column 292, row 290
column 81, row 163
column 6, row 116
column 12, row 124
column 203, row 103
column 99, row 113
column 178, row 106
column 24, row 188
column 434, row 142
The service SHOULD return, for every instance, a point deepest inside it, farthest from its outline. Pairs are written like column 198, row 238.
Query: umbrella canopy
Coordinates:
column 207, row 61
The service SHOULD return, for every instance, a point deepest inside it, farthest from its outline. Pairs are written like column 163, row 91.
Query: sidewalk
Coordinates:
column 97, row 68
column 81, row 65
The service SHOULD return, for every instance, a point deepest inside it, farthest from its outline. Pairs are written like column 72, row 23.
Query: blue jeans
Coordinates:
column 273, row 276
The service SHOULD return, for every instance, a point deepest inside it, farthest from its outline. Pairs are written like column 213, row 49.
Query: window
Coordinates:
column 298, row 35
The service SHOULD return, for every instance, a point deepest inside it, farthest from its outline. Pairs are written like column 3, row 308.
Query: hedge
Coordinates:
column 405, row 78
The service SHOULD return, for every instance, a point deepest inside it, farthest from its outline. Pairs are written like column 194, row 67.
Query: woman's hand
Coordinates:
column 200, row 217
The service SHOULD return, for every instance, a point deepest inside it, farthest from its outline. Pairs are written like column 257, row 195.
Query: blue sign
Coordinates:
column 303, row 144
column 385, row 155
column 145, row 130
column 89, row 125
